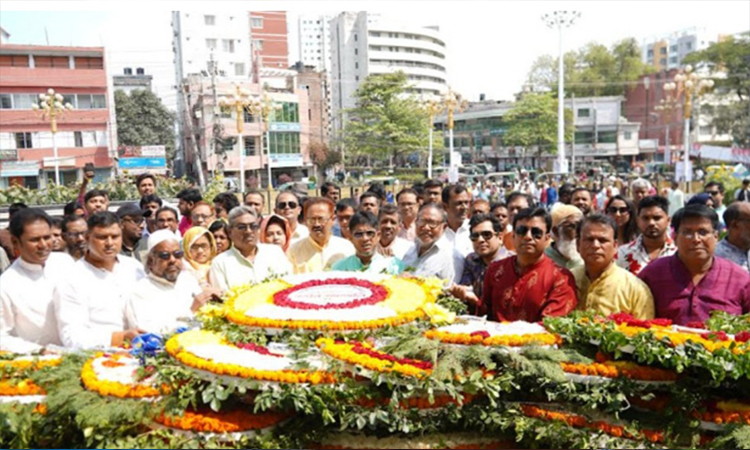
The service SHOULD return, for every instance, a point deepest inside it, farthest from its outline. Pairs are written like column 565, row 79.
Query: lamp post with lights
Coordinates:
column 432, row 106
column 239, row 103
column 52, row 108
column 453, row 103
column 263, row 106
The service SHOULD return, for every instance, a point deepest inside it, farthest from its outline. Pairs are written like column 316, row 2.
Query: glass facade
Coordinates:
column 284, row 143
column 288, row 112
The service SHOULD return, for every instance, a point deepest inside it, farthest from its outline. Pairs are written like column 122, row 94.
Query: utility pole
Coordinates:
column 214, row 107
column 573, row 141
column 189, row 127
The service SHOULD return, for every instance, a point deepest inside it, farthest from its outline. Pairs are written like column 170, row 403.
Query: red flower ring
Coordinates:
column 377, row 294
column 258, row 349
column 360, row 349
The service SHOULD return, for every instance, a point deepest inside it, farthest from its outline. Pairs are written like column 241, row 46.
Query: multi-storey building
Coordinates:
column 26, row 140
column 132, row 80
column 363, row 44
column 315, row 42
column 666, row 51
column 318, row 101
column 269, row 38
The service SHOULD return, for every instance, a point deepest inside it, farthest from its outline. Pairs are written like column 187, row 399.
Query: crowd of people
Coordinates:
column 97, row 279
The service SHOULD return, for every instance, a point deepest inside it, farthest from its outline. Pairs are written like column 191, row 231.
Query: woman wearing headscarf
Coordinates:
column 276, row 230
column 200, row 249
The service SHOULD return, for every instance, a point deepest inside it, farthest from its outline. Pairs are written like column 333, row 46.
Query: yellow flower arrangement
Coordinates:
column 363, row 355
column 438, row 314
column 678, row 338
column 506, row 340
column 35, row 363
column 113, row 388
column 23, row 387
column 179, row 348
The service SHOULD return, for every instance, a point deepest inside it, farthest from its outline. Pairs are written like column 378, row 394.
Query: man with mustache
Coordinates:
column 320, row 250
column 432, row 255
column 27, row 318
column 690, row 284
column 528, row 286
column 74, row 234
column 364, row 233
column 457, row 203
column 90, row 302
column 653, row 242
column 390, row 244
column 602, row 285
column 564, row 251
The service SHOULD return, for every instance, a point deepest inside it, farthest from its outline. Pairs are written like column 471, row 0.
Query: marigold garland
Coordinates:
column 23, row 387
column 221, row 422
column 620, row 369
column 361, row 354
column 484, row 338
column 179, row 348
column 35, row 363
column 92, row 382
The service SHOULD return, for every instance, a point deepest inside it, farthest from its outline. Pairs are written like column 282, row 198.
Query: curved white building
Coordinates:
column 363, row 44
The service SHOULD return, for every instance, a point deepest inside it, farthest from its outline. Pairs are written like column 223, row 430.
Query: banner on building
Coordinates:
column 145, row 151
column 284, row 126
column 287, row 160
column 143, row 163
column 728, row 154
column 19, row 169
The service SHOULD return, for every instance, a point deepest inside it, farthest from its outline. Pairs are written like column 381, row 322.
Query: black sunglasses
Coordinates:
column 164, row 256
column 713, row 193
column 615, row 210
column 536, row 233
column 363, row 234
column 486, row 235
column 285, row 205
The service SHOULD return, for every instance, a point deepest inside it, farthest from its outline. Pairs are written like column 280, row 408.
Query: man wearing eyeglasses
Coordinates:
column 432, row 255
column 166, row 294
column 248, row 261
column 133, row 224
column 487, row 239
column 320, row 250
column 364, row 233
column 564, row 250
column 528, row 286
column 690, row 284
column 288, row 206
column 90, row 302
column 74, row 234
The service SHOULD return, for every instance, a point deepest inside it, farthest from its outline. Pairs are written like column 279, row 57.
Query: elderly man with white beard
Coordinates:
column 564, row 250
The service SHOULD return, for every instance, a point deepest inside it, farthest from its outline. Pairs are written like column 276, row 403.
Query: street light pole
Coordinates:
column 432, row 107
column 52, row 108
column 240, row 102
column 561, row 19
column 263, row 106
column 453, row 103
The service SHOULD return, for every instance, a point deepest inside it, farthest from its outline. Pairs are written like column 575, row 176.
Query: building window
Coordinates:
column 228, row 45
column 663, row 51
column 69, row 98
column 78, row 137
column 258, row 44
column 705, row 130
column 584, row 112
column 607, row 137
column 356, row 51
column 289, row 112
column 128, row 71
column 23, row 140
column 673, row 49
column 239, row 69
column 356, row 65
column 247, row 117
column 650, row 53
column 284, row 143
column 356, row 78
column 688, row 45
column 249, row 145
column 627, row 135
column 663, row 62
column 211, row 44
column 209, row 20
column 355, row 38
column 257, row 22
column 673, row 60
column 6, row 101
column 24, row 101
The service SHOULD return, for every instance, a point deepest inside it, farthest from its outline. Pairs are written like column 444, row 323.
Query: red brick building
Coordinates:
column 268, row 33
column 26, row 150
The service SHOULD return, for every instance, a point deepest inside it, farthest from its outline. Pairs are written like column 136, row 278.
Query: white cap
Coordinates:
column 161, row 236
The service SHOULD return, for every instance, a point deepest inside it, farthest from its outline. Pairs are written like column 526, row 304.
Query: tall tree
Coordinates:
column 143, row 120
column 533, row 123
column 387, row 122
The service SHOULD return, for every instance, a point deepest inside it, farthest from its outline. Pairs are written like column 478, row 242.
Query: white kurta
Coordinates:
column 230, row 269
column 27, row 315
column 156, row 304
column 460, row 238
column 90, row 303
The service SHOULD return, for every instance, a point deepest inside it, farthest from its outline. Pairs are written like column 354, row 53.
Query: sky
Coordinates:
column 490, row 44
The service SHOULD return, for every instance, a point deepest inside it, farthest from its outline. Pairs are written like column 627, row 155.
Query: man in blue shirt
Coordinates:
column 363, row 228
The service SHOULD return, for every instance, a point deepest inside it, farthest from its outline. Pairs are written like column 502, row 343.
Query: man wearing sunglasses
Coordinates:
column 320, row 250
column 166, row 294
column 248, row 261
column 90, row 302
column 133, row 224
column 716, row 190
column 364, row 233
column 528, row 286
column 487, row 239
column 288, row 206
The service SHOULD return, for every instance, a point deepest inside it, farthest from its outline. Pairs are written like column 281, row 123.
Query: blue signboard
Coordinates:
column 284, row 126
column 143, row 163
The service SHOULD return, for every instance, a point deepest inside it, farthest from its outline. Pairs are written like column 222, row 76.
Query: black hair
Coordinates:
column 56, row 222
column 695, row 211
column 653, row 201
column 346, row 203
column 529, row 213
column 25, row 216
column 566, row 188
column 102, row 219
column 418, row 188
column 369, row 194
column 144, row 176
column 431, row 183
column 363, row 218
column 68, row 219
column 217, row 225
column 95, row 193
column 452, row 189
column 327, row 187
column 257, row 192
column 287, row 192
column 631, row 228
column 482, row 218
column 378, row 189
column 718, row 184
column 515, row 194
column 152, row 198
column 581, row 189
column 227, row 200
column 407, row 191
column 495, row 205
column 165, row 208
column 388, row 209
column 601, row 219
column 15, row 207
column 190, row 195
column 70, row 208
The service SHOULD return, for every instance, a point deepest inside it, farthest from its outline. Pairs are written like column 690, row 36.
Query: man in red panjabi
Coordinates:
column 528, row 286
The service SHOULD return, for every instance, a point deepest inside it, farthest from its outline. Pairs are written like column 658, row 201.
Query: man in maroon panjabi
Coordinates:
column 690, row 284
column 528, row 286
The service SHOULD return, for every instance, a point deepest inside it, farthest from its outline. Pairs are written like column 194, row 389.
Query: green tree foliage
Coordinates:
column 387, row 123
column 143, row 120
column 730, row 60
column 533, row 122
column 593, row 70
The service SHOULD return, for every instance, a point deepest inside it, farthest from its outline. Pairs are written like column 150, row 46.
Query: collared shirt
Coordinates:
column 230, row 269
column 398, row 248
column 156, row 304
column 676, row 201
column 90, row 302
column 541, row 290
column 300, row 233
column 307, row 256
column 379, row 264
column 634, row 257
column 441, row 260
column 616, row 290
column 131, row 252
column 336, row 230
column 409, row 233
column 726, row 287
column 460, row 238
column 720, row 211
column 27, row 314
column 558, row 258
column 4, row 261
column 727, row 250
column 475, row 268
